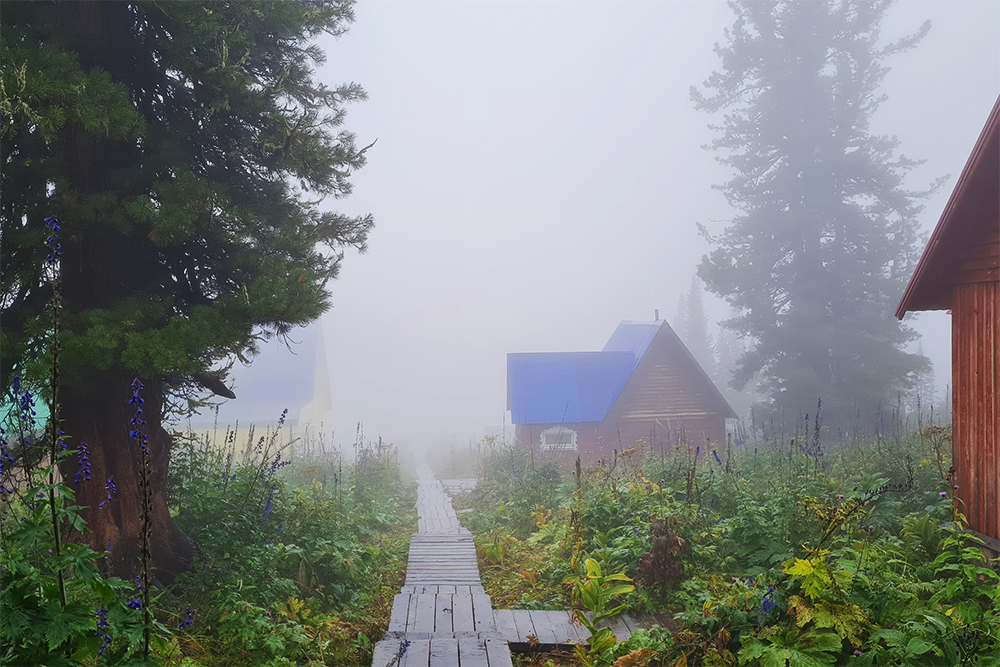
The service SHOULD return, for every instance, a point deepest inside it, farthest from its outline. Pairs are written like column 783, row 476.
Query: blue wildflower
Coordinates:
column 103, row 628
column 82, row 463
column 55, row 247
column 111, row 488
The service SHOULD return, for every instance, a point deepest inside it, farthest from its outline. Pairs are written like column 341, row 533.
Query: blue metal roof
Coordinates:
column 573, row 387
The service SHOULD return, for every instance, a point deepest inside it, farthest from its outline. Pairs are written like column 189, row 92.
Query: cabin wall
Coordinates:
column 976, row 401
column 600, row 440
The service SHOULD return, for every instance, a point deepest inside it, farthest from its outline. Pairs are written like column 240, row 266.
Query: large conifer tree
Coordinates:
column 185, row 147
column 825, row 235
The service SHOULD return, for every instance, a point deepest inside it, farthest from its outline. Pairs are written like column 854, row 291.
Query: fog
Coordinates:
column 537, row 178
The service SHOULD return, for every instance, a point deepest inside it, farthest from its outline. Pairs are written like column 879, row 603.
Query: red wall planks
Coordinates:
column 976, row 411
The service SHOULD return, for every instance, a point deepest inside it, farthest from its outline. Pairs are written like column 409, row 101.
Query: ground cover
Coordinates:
column 298, row 559
column 769, row 552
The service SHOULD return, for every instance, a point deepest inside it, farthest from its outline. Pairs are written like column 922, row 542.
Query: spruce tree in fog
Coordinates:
column 825, row 234
column 185, row 147
column 695, row 331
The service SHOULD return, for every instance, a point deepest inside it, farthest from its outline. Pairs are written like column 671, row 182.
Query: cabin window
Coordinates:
column 558, row 439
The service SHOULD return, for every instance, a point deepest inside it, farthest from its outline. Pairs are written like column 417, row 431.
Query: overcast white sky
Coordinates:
column 537, row 179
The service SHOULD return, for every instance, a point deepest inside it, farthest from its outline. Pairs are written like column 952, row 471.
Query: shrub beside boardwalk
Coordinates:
column 769, row 552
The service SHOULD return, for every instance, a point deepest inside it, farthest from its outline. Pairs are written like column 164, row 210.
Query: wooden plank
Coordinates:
column 525, row 627
column 385, row 652
column 482, row 612
column 543, row 630
column 462, row 616
column 397, row 617
column 561, row 624
column 444, row 652
column 503, row 620
column 411, row 614
column 637, row 621
column 472, row 652
column 424, row 613
column 498, row 653
column 619, row 628
column 443, row 616
column 417, row 654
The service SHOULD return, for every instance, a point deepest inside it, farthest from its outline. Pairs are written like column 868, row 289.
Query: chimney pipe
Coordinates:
column 657, row 314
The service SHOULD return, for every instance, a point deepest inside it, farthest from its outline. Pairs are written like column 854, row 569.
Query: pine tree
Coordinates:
column 825, row 236
column 680, row 319
column 696, row 335
column 185, row 147
column 926, row 388
column 728, row 350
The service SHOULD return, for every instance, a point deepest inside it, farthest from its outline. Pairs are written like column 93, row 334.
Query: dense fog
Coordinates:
column 538, row 177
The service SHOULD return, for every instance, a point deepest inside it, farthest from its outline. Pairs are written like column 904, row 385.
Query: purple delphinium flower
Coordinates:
column 103, row 628
column 111, row 488
column 138, row 423
column 267, row 507
column 55, row 247
column 187, row 621
column 716, row 455
column 82, row 463
column 767, row 605
column 134, row 603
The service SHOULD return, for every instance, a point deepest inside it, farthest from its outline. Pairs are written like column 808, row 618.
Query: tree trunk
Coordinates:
column 98, row 415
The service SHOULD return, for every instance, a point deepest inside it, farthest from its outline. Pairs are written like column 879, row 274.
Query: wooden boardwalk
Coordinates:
column 522, row 628
column 442, row 617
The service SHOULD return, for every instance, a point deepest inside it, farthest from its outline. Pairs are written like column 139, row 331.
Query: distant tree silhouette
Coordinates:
column 825, row 235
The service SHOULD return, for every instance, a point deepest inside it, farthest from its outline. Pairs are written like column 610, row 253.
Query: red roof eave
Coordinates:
column 919, row 294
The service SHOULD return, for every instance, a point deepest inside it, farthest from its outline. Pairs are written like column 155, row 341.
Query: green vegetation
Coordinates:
column 297, row 559
column 186, row 147
column 767, row 553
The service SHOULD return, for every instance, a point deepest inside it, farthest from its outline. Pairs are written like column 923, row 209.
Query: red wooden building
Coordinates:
column 643, row 384
column 960, row 270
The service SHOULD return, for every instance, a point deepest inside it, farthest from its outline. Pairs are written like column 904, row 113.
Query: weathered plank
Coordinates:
column 498, row 653
column 565, row 630
column 397, row 617
column 462, row 617
column 444, row 652
column 525, row 628
column 472, row 652
column 482, row 612
column 504, row 621
column 385, row 652
column 417, row 654
column 543, row 629
column 443, row 615
column 424, row 621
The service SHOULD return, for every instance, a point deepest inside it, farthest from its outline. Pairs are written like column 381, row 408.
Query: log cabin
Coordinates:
column 644, row 385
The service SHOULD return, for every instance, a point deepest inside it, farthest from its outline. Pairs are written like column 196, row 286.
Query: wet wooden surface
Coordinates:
column 442, row 617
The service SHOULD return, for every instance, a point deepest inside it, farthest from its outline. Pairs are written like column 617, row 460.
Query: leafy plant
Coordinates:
column 595, row 591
